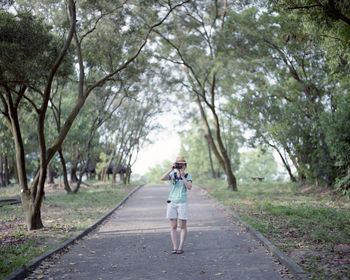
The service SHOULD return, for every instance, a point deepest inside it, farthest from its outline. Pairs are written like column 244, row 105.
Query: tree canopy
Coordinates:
column 82, row 82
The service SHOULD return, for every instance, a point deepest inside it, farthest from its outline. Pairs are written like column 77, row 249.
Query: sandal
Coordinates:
column 179, row 251
column 174, row 251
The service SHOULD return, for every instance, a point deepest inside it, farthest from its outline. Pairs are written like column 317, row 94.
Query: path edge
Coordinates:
column 30, row 266
column 294, row 268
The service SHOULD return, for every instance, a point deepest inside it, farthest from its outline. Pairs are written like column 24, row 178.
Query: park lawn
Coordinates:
column 311, row 225
column 63, row 216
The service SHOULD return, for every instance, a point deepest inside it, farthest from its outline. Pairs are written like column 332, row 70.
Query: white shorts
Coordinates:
column 177, row 211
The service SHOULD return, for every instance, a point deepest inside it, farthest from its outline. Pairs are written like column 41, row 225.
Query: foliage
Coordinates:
column 26, row 43
column 155, row 173
column 257, row 163
column 195, row 149
column 338, row 139
column 285, row 89
column 327, row 22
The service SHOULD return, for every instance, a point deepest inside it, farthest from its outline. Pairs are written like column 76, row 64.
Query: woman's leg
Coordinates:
column 183, row 233
column 173, row 233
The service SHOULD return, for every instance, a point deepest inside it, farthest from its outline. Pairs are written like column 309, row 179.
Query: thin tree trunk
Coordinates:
column 2, row 181
column 67, row 188
column 213, row 175
column 7, row 173
column 73, row 172
column 49, row 179
column 301, row 173
column 128, row 174
column 222, row 159
column 128, row 170
column 15, row 170
column 285, row 163
column 105, row 170
column 80, row 179
column 231, row 179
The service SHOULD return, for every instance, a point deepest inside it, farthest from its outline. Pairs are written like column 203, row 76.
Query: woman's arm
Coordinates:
column 165, row 177
column 188, row 184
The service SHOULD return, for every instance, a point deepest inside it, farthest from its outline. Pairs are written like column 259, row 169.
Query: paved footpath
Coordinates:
column 134, row 243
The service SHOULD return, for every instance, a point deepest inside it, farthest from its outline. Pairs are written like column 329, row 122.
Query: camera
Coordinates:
column 178, row 166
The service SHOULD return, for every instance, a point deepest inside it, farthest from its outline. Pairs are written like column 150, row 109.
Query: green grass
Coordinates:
column 63, row 216
column 310, row 224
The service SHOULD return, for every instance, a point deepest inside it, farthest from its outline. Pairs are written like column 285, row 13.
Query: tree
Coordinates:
column 192, row 41
column 32, row 197
column 5, row 154
column 28, row 45
column 284, row 89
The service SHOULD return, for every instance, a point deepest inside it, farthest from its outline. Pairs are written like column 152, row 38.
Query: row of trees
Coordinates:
column 80, row 84
column 75, row 63
column 278, row 69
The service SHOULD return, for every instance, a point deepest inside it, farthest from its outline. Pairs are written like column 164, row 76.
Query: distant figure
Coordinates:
column 177, row 202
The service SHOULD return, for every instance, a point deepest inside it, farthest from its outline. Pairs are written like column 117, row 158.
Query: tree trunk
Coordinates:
column 73, row 172
column 123, row 178
column 80, row 179
column 128, row 175
column 32, row 214
column 7, row 172
column 301, row 173
column 222, row 158
column 2, row 179
column 116, row 169
column 213, row 175
column 64, row 171
column 114, row 176
column 105, row 175
column 50, row 179
column 285, row 163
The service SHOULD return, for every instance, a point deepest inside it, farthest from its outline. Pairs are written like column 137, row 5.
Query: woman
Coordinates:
column 177, row 203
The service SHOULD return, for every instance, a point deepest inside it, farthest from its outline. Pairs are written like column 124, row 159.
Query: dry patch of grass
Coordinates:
column 63, row 216
column 309, row 224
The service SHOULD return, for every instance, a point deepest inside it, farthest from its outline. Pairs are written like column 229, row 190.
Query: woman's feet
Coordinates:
column 177, row 251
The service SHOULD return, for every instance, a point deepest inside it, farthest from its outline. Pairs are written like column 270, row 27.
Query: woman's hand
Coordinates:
column 182, row 172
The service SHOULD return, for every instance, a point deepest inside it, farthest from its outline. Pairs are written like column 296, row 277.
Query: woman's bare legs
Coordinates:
column 183, row 234
column 173, row 233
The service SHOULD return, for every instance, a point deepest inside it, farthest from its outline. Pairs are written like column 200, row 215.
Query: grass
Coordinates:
column 309, row 224
column 63, row 216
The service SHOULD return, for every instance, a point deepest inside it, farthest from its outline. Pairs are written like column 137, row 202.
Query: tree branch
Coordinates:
column 131, row 59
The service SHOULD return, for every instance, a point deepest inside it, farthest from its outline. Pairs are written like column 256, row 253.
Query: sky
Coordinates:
column 165, row 146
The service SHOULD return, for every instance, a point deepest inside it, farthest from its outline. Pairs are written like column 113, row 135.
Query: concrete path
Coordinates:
column 134, row 243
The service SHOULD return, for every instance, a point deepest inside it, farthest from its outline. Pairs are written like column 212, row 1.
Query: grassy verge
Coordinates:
column 63, row 216
column 311, row 225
